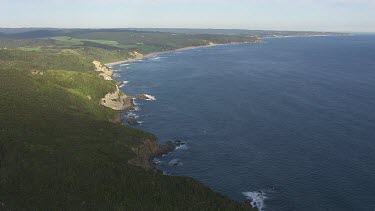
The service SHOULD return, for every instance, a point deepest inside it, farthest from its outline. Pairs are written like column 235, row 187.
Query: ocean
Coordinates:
column 289, row 123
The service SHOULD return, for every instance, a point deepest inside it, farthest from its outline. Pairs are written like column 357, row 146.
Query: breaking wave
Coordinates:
column 150, row 97
column 256, row 199
column 132, row 115
column 123, row 83
column 182, row 146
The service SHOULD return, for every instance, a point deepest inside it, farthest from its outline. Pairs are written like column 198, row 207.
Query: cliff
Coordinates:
column 117, row 100
column 106, row 72
column 147, row 150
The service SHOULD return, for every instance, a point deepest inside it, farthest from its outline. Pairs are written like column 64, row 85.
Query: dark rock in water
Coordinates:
column 178, row 143
column 167, row 148
column 132, row 122
column 142, row 97
column 170, row 146
column 146, row 97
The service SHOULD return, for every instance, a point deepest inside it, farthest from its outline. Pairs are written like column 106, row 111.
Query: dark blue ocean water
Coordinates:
column 292, row 118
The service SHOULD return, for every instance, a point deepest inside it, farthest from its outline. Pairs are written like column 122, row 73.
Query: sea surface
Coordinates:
column 289, row 123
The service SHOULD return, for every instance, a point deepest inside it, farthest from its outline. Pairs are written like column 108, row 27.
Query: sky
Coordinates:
column 304, row 15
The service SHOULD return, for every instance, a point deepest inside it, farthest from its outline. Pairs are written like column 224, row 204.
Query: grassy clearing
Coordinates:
column 29, row 48
column 69, row 41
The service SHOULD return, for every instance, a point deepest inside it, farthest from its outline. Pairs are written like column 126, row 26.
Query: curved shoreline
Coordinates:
column 258, row 41
column 170, row 51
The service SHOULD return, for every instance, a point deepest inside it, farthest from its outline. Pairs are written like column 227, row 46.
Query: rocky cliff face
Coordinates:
column 106, row 72
column 144, row 152
column 147, row 150
column 117, row 100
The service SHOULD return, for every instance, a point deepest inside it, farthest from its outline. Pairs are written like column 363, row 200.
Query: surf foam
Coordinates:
column 182, row 146
column 123, row 83
column 132, row 115
column 150, row 97
column 256, row 198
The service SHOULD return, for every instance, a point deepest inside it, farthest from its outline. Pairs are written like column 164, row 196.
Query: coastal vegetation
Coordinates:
column 60, row 149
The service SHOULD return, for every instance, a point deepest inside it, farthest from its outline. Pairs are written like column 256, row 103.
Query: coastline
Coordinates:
column 258, row 41
column 145, row 159
column 170, row 51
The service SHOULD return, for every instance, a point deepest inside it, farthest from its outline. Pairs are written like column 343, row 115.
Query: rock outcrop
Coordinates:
column 117, row 100
column 147, row 150
column 146, row 97
column 132, row 122
column 106, row 72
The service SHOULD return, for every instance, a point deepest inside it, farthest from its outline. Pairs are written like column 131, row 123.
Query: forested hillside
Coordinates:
column 59, row 149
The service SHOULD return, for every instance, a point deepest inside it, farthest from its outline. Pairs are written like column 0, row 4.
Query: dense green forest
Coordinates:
column 59, row 149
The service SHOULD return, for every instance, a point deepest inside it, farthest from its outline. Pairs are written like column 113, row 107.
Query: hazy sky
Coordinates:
column 320, row 15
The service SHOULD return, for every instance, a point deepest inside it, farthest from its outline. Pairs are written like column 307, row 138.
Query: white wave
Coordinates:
column 256, row 199
column 175, row 162
column 182, row 147
column 156, row 161
column 134, row 101
column 116, row 75
column 123, row 83
column 124, row 65
column 156, row 58
column 136, row 108
column 150, row 97
column 132, row 115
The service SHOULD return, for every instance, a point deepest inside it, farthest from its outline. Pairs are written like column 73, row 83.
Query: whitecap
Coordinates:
column 123, row 83
column 135, row 102
column 150, row 97
column 182, row 147
column 132, row 115
column 136, row 108
column 124, row 65
column 156, row 58
column 256, row 198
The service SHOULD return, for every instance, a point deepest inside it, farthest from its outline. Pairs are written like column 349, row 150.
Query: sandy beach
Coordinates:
column 161, row 52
